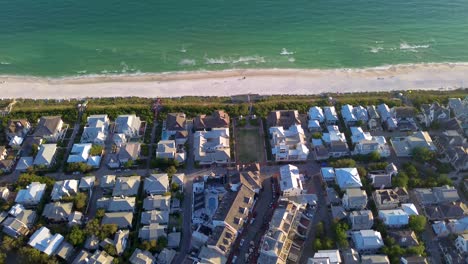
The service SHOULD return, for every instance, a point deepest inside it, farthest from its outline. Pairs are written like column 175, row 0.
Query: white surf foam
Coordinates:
column 413, row 48
column 188, row 62
column 291, row 59
column 4, row 63
column 240, row 60
column 376, row 49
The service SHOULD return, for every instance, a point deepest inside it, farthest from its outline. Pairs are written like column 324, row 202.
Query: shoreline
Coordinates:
column 432, row 76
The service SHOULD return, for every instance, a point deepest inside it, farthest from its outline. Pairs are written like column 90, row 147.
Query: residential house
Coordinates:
column 179, row 179
column 65, row 251
column 361, row 114
column 326, row 256
column 141, row 257
column 350, row 256
column 361, row 220
column 157, row 202
column 404, row 238
column 117, row 204
column 24, row 163
column 126, row 186
column 80, row 153
column 413, row 260
column 167, row 149
column 455, row 148
column 166, row 256
column 316, row 118
column 279, row 245
column 160, row 217
column 459, row 107
column 212, row 146
column 406, row 118
column 354, row 199
column 331, row 117
column 348, row 178
column 17, row 128
column 387, row 118
column 374, row 122
column 338, row 149
column 446, row 194
column 14, row 227
column 374, row 259
column 434, row 113
column 96, row 130
column 45, row 157
column 288, row 144
column 403, row 146
column 16, row 142
column 98, row 257
column 283, row 118
column 176, row 122
column 458, row 226
column 152, row 232
column 380, row 179
column 328, row 174
column 129, row 125
column 45, row 242
column 121, row 241
column 107, row 183
column 367, row 241
column 409, row 208
column 49, row 128
column 365, row 143
column 173, row 239
column 390, row 198
column 87, row 183
column 64, row 188
column 123, row 220
column 461, row 243
column 75, row 218
column 157, row 184
column 249, row 178
column 348, row 116
column 336, row 142
column 128, row 152
column 395, row 218
column 290, row 181
column 32, row 195
column 218, row 119
column 57, row 212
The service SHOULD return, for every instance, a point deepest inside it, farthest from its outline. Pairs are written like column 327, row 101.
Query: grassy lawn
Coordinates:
column 250, row 145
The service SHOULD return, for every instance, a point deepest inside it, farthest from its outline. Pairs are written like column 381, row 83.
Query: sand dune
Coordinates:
column 221, row 83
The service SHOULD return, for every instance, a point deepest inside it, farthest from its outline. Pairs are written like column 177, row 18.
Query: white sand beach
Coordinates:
column 443, row 76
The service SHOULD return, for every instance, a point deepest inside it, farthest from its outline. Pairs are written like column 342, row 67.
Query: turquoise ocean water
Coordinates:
column 73, row 37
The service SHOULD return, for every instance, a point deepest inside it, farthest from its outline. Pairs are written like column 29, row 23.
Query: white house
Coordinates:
column 326, row 256
column 167, row 149
column 49, row 128
column 96, row 130
column 328, row 174
column 288, row 144
column 394, row 218
column 212, row 146
column 64, row 188
column 45, row 242
column 46, row 155
column 32, row 195
column 348, row 178
column 348, row 116
column 333, row 135
column 128, row 125
column 361, row 114
column 367, row 241
column 157, row 184
column 403, row 146
column 365, row 143
column 316, row 118
column 290, row 182
column 331, row 117
column 79, row 153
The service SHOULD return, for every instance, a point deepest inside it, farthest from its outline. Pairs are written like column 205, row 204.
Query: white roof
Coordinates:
column 359, row 135
column 16, row 141
column 409, row 208
column 289, row 178
column 394, row 217
column 347, row 113
column 94, row 161
column 45, row 155
column 64, row 188
column 157, row 183
column 32, row 194
column 44, row 241
column 330, row 113
column 348, row 178
column 333, row 134
column 328, row 173
column 316, row 113
column 332, row 255
column 87, row 182
column 79, row 153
